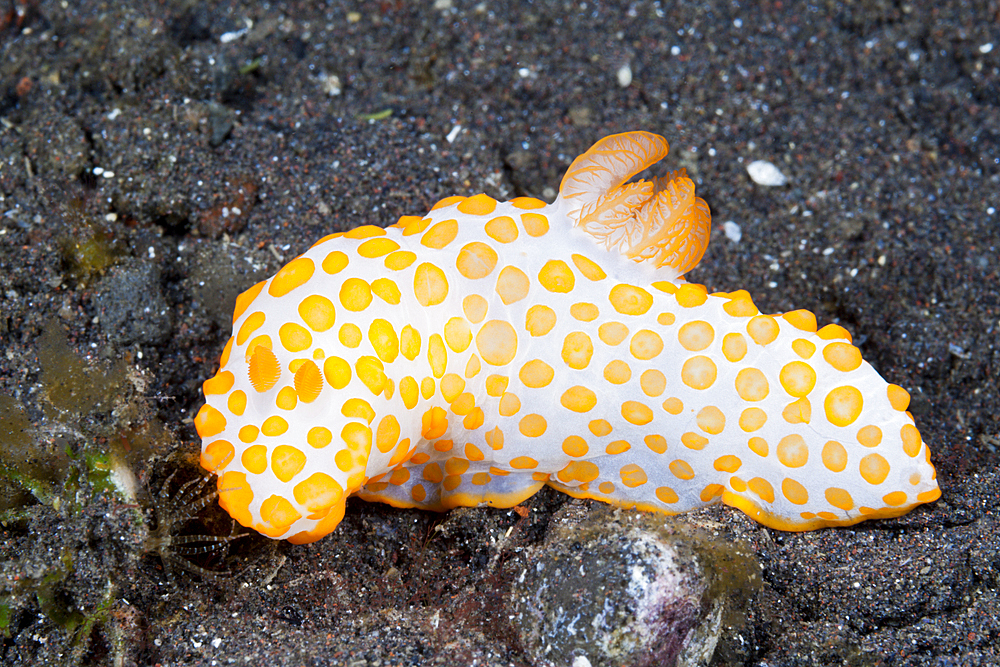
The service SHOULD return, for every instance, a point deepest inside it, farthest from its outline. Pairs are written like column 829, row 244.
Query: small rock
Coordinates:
column 581, row 116
column 220, row 123
column 56, row 144
column 230, row 213
column 520, row 160
column 613, row 588
column 131, row 306
column 330, row 84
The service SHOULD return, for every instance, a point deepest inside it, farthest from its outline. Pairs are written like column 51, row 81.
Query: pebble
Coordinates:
column 763, row 172
column 616, row 588
column 732, row 231
column 131, row 306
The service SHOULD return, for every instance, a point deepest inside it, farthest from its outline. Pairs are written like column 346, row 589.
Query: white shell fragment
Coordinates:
column 624, row 75
column 764, row 173
column 732, row 230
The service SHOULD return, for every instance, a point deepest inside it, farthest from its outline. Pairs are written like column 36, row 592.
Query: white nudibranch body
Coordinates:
column 475, row 354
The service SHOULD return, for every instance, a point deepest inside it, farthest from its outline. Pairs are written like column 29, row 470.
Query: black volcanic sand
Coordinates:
column 156, row 158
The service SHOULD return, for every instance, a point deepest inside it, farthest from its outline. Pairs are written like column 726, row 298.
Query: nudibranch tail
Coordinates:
column 476, row 353
column 662, row 222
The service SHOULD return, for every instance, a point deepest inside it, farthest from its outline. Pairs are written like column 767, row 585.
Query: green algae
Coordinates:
column 382, row 114
column 5, row 614
column 23, row 463
column 73, row 387
column 88, row 249
column 69, row 450
column 71, row 455
column 52, row 599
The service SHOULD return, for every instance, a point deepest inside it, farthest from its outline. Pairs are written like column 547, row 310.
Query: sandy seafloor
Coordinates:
column 158, row 157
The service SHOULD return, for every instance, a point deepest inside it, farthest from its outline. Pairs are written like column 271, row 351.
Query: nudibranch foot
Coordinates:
column 476, row 353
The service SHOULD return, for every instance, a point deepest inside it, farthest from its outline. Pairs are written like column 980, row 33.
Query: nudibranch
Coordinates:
column 472, row 355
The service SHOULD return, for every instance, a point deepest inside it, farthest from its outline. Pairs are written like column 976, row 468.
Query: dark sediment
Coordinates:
column 175, row 153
